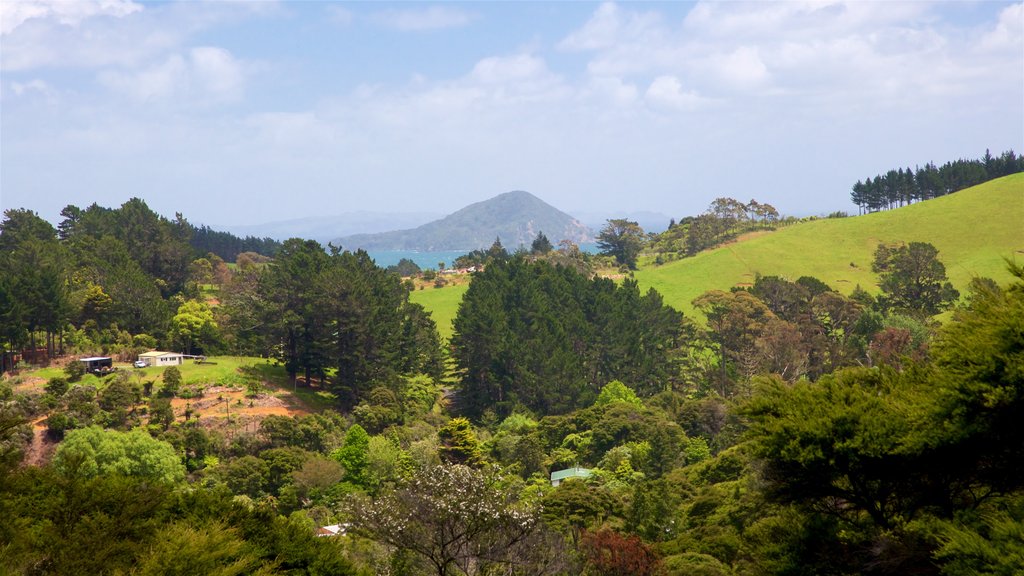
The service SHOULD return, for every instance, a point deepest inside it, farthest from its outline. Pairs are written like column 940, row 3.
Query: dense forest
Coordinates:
column 227, row 246
column 790, row 429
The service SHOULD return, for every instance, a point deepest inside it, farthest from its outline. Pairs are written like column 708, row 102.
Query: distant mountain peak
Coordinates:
column 515, row 217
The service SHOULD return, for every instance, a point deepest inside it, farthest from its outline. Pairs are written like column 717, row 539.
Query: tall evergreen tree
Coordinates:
column 547, row 338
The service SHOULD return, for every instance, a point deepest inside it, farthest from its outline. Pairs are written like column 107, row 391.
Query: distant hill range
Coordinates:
column 514, row 217
column 649, row 221
column 326, row 228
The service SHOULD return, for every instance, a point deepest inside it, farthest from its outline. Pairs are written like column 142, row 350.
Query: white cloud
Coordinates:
column 204, row 75
column 69, row 13
column 422, row 19
column 741, row 68
column 67, row 34
column 667, row 92
column 154, row 83
column 217, row 72
column 872, row 53
column 612, row 89
column 609, row 26
column 498, row 69
column 93, row 42
column 1008, row 32
column 825, row 18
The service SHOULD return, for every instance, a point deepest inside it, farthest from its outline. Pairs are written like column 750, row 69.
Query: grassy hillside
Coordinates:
column 973, row 229
column 442, row 303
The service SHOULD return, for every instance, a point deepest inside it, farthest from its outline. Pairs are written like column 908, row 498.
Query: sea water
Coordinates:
column 424, row 260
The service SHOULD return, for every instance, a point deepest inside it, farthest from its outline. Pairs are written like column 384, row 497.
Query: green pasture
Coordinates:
column 973, row 229
column 442, row 303
column 225, row 370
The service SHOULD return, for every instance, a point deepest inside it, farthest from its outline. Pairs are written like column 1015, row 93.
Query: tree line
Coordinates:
column 900, row 187
column 205, row 240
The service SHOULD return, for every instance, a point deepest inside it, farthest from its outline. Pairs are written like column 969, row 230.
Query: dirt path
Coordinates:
column 41, row 449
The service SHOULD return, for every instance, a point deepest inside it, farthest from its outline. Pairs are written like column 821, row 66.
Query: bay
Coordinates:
column 424, row 260
column 430, row 259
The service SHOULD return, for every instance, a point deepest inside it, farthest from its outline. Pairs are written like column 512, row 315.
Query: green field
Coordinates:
column 217, row 370
column 973, row 229
column 442, row 303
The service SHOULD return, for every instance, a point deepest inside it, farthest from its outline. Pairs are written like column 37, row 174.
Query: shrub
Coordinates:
column 75, row 370
column 57, row 386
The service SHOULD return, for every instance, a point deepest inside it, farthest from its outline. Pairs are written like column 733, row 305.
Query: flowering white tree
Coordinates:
column 462, row 522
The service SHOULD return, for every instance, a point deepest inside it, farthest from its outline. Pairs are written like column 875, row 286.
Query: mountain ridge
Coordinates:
column 514, row 217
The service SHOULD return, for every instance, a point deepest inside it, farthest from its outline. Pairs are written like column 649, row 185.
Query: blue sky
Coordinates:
column 241, row 113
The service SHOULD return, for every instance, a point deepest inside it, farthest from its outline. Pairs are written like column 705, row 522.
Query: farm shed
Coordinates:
column 97, row 364
column 158, row 358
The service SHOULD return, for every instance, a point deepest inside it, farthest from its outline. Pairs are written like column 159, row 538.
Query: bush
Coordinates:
column 58, row 423
column 57, row 386
column 75, row 370
column 189, row 392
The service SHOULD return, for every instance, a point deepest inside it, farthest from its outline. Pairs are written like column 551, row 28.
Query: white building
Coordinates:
column 158, row 358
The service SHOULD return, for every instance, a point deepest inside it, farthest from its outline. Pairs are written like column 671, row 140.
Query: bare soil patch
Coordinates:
column 225, row 402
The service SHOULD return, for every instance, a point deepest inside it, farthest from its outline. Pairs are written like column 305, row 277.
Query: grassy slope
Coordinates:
column 973, row 230
column 442, row 303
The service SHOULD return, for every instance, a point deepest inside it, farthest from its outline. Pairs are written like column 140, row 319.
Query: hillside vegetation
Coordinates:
column 973, row 229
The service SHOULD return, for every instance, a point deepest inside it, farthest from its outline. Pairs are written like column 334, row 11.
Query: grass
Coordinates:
column 973, row 229
column 217, row 370
column 442, row 303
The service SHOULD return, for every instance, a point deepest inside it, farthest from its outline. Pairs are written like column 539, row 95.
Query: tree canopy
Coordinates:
column 93, row 451
column 547, row 338
column 622, row 239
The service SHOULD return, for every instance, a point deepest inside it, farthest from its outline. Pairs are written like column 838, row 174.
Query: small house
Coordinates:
column 574, row 472
column 98, row 364
column 158, row 358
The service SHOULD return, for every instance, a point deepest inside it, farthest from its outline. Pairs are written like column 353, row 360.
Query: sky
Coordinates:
column 242, row 113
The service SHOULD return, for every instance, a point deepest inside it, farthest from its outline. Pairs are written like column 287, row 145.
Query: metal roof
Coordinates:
column 570, row 473
column 156, row 353
column 94, row 358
